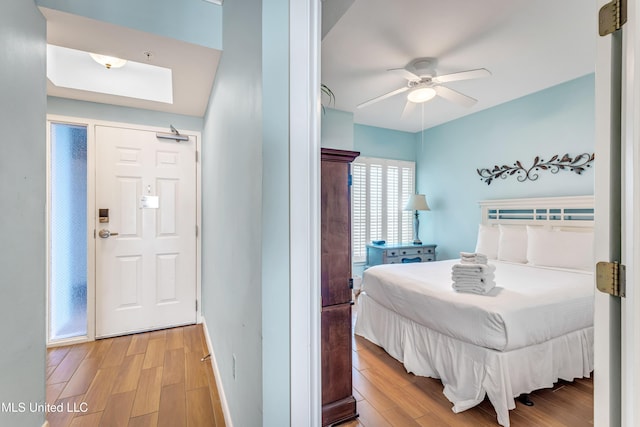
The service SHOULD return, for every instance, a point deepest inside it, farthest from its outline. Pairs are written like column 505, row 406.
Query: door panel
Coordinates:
column 146, row 273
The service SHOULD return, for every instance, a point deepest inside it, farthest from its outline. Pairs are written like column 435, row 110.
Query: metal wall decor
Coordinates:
column 577, row 164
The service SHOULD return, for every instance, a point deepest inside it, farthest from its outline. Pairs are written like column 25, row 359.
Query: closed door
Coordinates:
column 146, row 231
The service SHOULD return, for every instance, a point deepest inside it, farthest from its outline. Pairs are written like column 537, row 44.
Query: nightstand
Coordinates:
column 399, row 253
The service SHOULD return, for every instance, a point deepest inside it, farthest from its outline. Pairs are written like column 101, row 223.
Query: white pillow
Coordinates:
column 487, row 242
column 565, row 249
column 512, row 245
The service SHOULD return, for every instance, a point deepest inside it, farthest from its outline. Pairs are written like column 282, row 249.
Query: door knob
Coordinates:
column 104, row 233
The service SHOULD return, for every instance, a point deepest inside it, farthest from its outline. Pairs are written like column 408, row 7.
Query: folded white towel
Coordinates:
column 478, row 291
column 477, row 268
column 469, row 279
column 473, row 258
column 474, row 287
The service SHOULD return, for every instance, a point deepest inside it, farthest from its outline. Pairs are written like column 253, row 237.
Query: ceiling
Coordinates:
column 193, row 67
column 526, row 45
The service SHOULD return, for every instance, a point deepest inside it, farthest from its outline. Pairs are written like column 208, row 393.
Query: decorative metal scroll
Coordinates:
column 577, row 164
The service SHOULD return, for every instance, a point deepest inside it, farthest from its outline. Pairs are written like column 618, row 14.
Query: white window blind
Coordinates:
column 380, row 189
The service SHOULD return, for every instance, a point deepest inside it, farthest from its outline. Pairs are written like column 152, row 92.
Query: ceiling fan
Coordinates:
column 423, row 84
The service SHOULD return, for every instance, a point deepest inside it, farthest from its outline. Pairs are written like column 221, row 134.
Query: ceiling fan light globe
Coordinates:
column 108, row 61
column 421, row 95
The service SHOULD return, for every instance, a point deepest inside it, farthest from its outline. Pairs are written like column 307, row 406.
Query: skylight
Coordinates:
column 75, row 69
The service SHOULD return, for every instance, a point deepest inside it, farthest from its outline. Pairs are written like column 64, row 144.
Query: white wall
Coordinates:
column 22, row 206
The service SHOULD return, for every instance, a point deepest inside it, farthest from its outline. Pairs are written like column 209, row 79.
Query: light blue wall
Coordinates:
column 114, row 113
column 232, row 212
column 275, row 215
column 557, row 120
column 192, row 21
column 339, row 131
column 22, row 225
column 336, row 129
column 385, row 143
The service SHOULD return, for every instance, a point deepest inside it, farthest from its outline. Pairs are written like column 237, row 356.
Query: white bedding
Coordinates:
column 468, row 371
column 529, row 305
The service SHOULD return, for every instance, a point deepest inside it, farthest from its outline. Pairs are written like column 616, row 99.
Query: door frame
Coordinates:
column 91, row 209
column 630, row 312
column 617, row 321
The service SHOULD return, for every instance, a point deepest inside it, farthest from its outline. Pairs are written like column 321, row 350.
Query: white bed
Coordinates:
column 533, row 328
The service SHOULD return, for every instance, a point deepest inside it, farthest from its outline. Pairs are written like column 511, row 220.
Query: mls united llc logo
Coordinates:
column 21, row 407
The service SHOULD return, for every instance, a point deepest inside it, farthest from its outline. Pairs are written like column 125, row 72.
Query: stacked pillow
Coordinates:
column 537, row 246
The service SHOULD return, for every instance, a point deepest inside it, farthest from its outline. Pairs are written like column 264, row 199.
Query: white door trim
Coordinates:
column 630, row 218
column 304, row 179
column 91, row 169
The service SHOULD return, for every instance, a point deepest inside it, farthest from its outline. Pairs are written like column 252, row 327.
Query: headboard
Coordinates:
column 565, row 212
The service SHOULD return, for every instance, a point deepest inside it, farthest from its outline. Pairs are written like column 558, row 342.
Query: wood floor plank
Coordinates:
column 100, row 389
column 370, row 417
column 117, row 351
column 88, row 420
column 81, row 379
column 158, row 335
column 175, row 338
column 63, row 418
column 128, row 394
column 154, row 356
column 373, row 395
column 118, row 409
column 199, row 410
column 128, row 374
column 99, row 349
column 357, row 361
column 66, row 368
column 383, row 362
column 173, row 406
column 56, row 354
column 148, row 394
column 192, row 340
column 138, row 344
column 398, row 417
column 396, row 393
column 174, row 367
column 195, row 373
column 53, row 392
column 50, row 370
column 148, row 420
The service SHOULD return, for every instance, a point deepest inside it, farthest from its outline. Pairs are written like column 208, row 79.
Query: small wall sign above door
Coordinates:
column 577, row 164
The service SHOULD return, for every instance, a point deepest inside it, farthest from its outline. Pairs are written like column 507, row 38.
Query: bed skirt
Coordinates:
column 468, row 371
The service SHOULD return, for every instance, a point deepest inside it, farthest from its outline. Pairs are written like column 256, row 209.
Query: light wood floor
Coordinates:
column 388, row 396
column 149, row 379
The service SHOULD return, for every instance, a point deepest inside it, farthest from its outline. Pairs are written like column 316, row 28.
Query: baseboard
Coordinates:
column 216, row 373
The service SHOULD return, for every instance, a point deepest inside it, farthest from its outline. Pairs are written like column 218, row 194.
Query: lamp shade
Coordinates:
column 417, row 202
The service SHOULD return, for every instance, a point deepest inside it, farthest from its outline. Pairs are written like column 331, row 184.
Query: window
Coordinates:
column 380, row 189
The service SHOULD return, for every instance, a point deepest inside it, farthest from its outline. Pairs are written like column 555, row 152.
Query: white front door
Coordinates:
column 146, row 252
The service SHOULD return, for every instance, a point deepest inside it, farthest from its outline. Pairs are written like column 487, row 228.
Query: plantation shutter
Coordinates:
column 380, row 189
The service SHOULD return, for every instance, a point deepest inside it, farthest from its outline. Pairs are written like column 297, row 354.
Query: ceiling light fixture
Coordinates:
column 422, row 94
column 108, row 61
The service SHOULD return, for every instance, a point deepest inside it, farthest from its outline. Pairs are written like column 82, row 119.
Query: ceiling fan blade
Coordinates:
column 405, row 73
column 381, row 97
column 455, row 96
column 408, row 109
column 462, row 75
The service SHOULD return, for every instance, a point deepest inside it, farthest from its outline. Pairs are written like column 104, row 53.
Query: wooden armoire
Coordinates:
column 338, row 403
